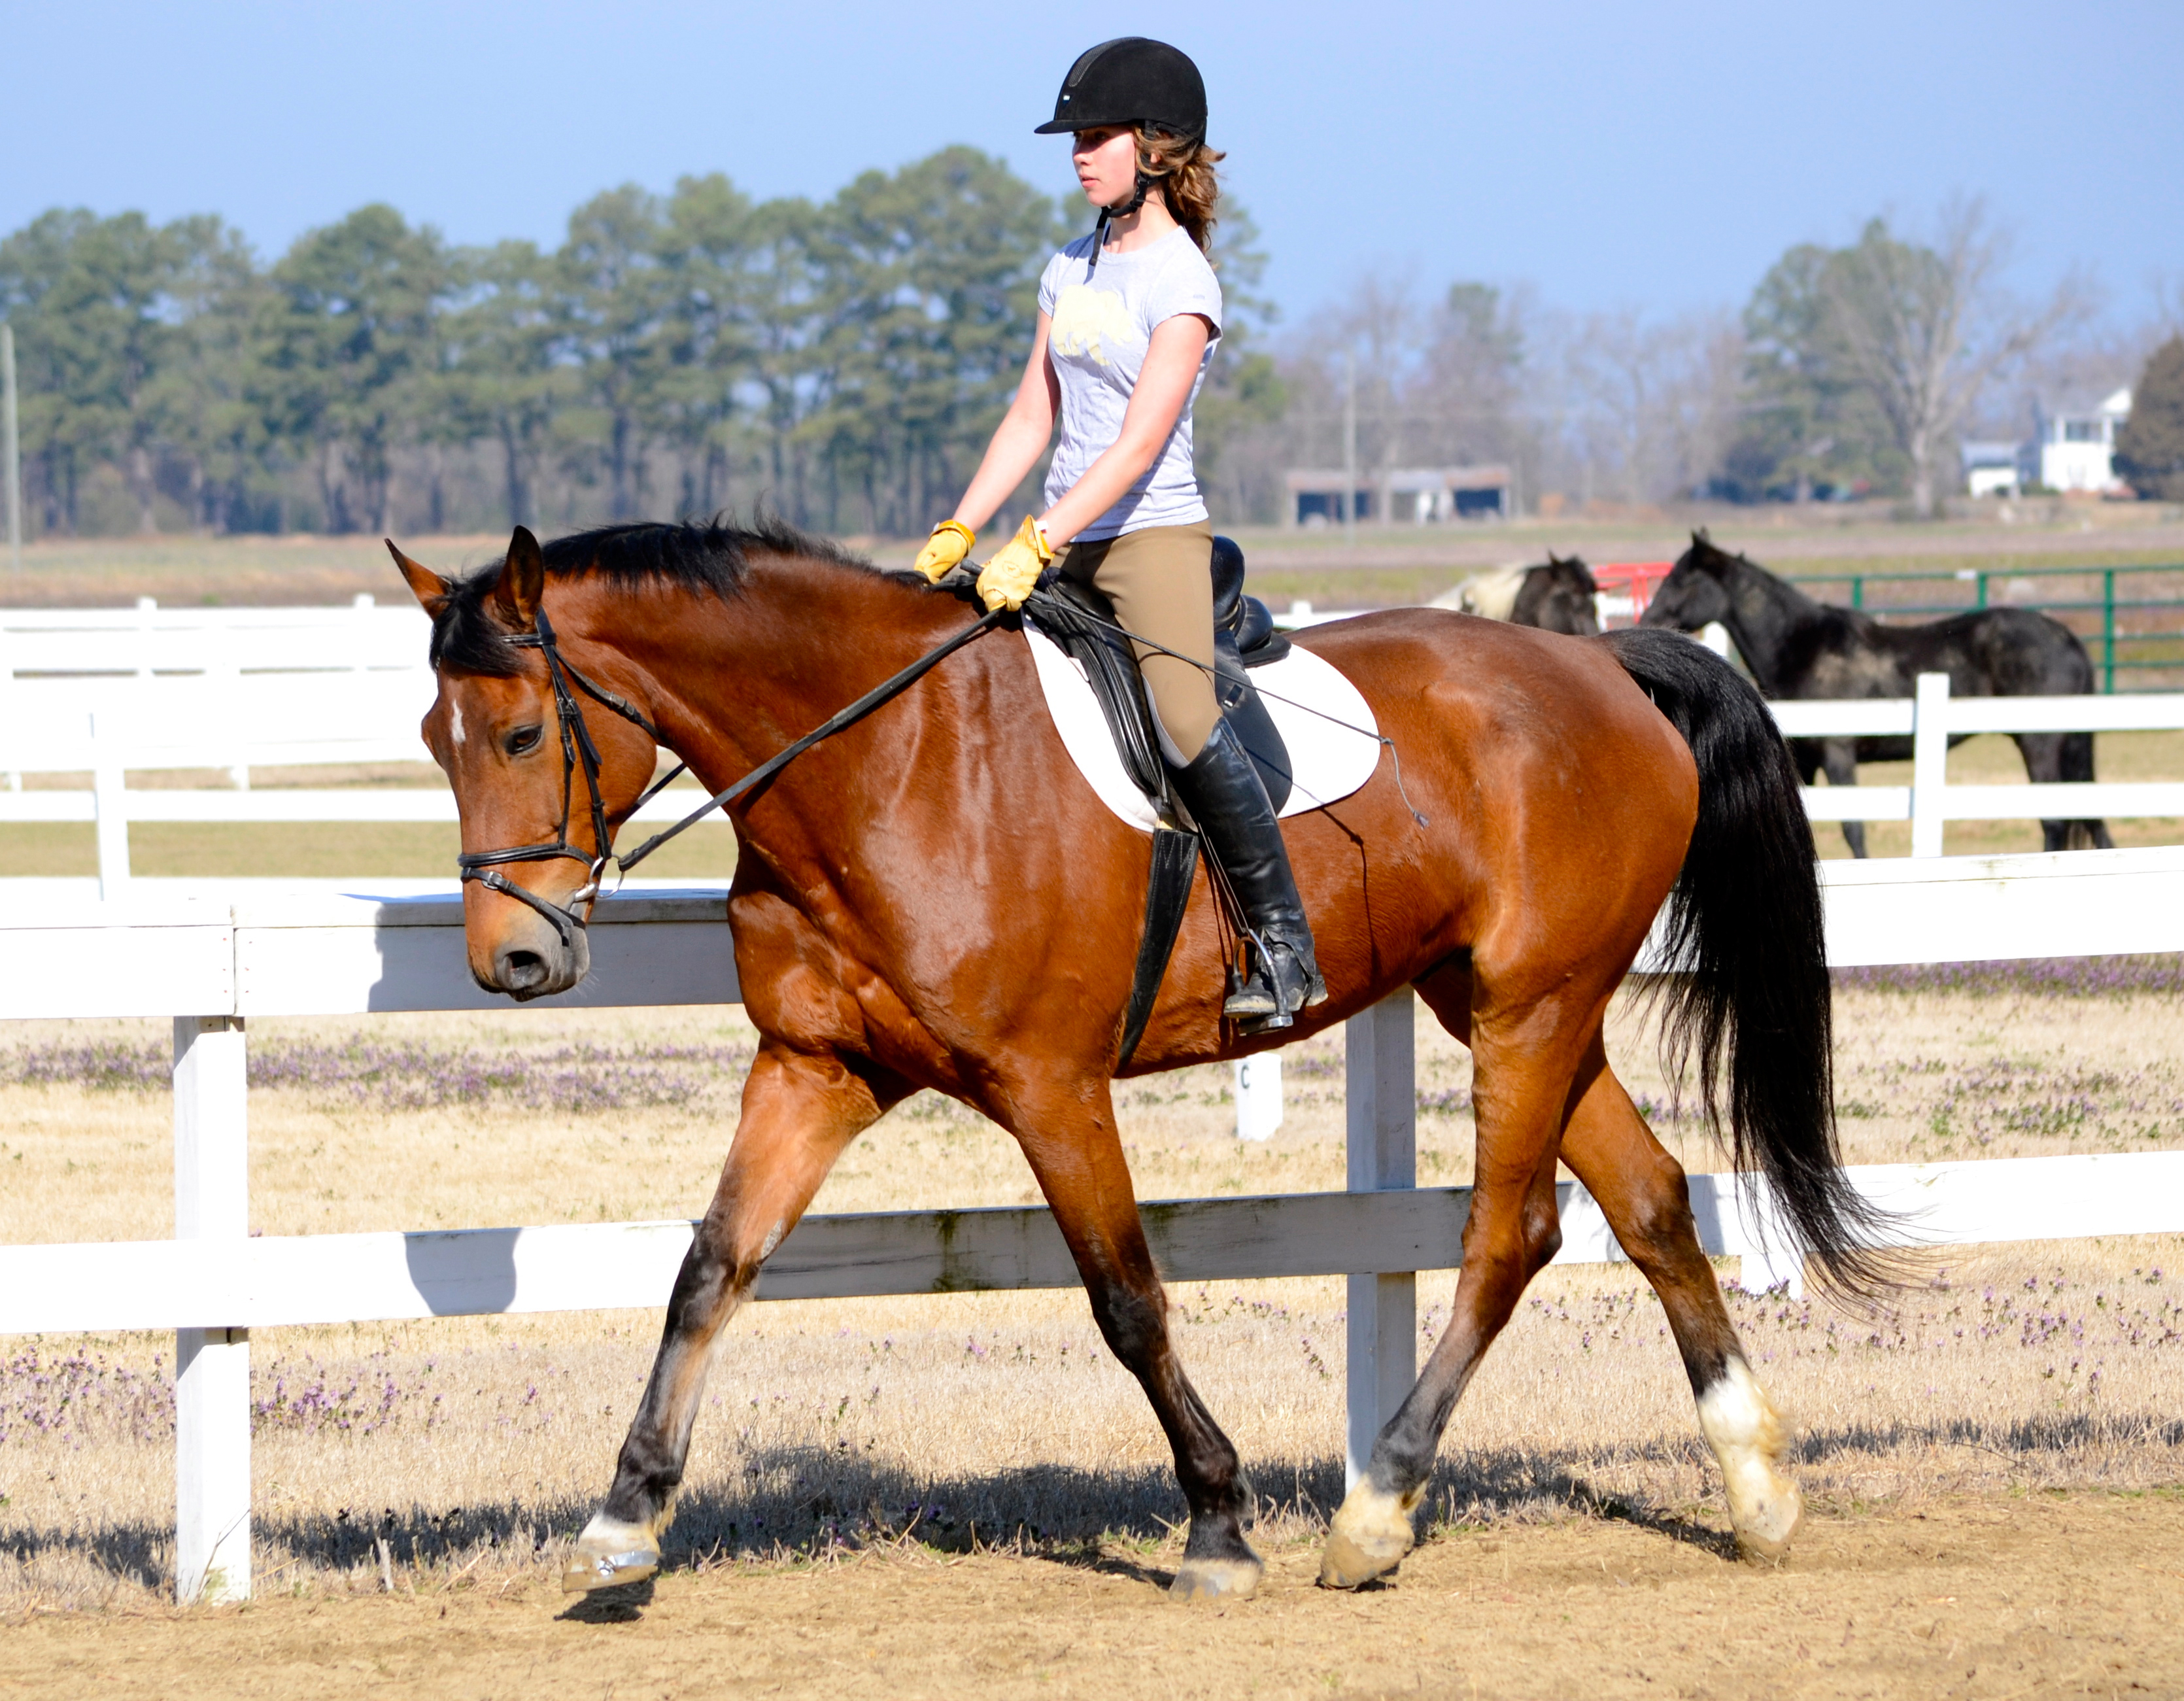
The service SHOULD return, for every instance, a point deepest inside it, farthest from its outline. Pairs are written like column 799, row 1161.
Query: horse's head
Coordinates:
column 1559, row 597
column 1695, row 593
column 518, row 749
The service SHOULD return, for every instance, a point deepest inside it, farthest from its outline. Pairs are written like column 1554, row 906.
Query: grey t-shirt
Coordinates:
column 1100, row 331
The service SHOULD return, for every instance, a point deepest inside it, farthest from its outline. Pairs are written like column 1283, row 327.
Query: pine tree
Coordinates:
column 2149, row 449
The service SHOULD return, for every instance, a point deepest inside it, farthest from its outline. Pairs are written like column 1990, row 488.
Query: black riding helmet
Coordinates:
column 1130, row 81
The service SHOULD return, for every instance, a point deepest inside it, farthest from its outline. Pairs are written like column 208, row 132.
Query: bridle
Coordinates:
column 578, row 753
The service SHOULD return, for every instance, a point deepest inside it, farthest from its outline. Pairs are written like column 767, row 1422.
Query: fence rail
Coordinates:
column 2102, row 621
column 1933, row 717
column 213, row 966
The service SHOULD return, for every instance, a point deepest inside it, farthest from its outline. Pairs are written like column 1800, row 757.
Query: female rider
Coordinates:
column 1127, row 318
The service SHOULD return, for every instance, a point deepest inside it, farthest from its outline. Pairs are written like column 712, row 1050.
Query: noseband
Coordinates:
column 577, row 751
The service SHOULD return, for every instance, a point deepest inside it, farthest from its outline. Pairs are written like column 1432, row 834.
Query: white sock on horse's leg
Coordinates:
column 1747, row 1435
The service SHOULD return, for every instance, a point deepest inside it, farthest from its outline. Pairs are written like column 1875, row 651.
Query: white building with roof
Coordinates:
column 2075, row 448
column 1991, row 469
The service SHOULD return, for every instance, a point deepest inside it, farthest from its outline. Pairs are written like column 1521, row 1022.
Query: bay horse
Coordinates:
column 1799, row 649
column 933, row 898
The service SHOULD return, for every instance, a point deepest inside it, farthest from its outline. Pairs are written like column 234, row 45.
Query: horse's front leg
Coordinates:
column 799, row 1110
column 1072, row 1144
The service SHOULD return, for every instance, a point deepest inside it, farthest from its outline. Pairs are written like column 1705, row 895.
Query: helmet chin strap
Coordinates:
column 1121, row 210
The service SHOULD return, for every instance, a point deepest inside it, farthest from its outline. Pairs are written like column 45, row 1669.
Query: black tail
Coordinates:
column 1746, row 935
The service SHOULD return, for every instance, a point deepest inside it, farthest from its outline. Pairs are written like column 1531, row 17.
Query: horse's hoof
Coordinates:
column 1369, row 1537
column 1216, row 1580
column 610, row 1555
column 1767, row 1525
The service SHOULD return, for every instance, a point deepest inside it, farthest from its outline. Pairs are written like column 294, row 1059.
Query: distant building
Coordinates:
column 1991, row 469
column 1401, row 496
column 2075, row 448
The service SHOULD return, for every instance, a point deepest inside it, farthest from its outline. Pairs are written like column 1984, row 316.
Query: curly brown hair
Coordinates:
column 1182, row 167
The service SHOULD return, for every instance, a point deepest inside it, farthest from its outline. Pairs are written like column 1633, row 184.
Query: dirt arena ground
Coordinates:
column 2045, row 1594
column 963, row 1495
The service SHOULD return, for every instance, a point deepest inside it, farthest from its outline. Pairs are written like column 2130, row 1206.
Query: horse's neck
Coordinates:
column 1764, row 615
column 737, row 678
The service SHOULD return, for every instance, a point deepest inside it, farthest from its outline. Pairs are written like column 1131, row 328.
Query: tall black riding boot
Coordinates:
column 1228, row 800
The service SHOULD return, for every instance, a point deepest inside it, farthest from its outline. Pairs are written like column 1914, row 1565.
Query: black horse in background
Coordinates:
column 1798, row 648
column 1556, row 597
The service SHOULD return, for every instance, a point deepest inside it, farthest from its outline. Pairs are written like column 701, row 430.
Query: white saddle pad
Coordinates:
column 1334, row 741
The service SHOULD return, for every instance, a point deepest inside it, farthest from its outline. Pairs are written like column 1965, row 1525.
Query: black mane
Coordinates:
column 705, row 554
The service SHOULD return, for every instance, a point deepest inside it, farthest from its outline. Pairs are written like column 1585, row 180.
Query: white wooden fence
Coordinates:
column 212, row 967
column 148, row 641
column 1932, row 718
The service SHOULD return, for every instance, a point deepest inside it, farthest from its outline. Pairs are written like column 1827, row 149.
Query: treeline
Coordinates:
column 842, row 362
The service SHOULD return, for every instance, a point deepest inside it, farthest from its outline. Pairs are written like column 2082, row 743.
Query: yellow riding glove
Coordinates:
column 1006, row 580
column 945, row 549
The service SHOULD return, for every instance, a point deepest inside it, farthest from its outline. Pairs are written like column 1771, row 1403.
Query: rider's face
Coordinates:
column 1107, row 161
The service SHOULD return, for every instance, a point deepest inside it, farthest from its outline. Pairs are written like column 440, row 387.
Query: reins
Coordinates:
column 579, row 752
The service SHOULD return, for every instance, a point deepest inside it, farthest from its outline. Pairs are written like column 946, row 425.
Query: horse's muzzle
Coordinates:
column 529, row 960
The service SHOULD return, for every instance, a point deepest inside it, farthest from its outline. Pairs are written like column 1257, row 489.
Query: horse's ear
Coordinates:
column 429, row 588
column 1699, row 535
column 522, row 581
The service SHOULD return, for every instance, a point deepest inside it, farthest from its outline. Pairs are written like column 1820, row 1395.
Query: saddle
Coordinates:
column 1081, row 622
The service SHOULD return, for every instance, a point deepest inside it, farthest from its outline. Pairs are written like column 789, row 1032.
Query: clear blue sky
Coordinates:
column 1653, row 156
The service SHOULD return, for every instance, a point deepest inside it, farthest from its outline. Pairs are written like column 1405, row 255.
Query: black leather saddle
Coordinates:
column 1243, row 638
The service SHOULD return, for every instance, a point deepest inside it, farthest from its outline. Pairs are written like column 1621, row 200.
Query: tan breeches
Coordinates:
column 1161, row 581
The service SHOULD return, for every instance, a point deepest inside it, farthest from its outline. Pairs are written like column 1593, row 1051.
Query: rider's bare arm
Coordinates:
column 1020, row 439
column 1162, row 391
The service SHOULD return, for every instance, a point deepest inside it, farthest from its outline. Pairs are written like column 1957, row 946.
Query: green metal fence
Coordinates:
column 2131, row 619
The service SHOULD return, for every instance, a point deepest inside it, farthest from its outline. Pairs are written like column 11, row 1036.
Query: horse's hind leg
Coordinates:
column 800, row 1110
column 2052, row 758
column 1522, row 1064
column 1839, row 756
column 1640, row 1190
column 1080, row 1168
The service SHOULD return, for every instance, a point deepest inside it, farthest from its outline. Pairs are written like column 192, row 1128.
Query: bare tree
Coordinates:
column 1651, row 405
column 1926, row 329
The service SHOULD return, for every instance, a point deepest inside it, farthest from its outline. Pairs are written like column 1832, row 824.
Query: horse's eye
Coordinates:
column 523, row 740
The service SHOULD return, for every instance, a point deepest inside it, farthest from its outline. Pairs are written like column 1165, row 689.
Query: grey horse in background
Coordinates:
column 1799, row 649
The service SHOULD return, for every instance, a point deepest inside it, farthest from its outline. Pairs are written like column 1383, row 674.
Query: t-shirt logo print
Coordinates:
column 1083, row 316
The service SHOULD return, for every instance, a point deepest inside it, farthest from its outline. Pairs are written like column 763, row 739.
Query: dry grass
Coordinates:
column 472, row 1445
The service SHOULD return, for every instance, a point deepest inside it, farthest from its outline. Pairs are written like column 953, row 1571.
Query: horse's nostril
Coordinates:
column 522, row 970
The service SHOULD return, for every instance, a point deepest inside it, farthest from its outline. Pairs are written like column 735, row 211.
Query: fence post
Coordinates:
column 2108, row 630
column 1258, row 1095
column 1930, row 763
column 1772, row 1257
column 1380, row 1089
column 212, row 1365
column 109, row 805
